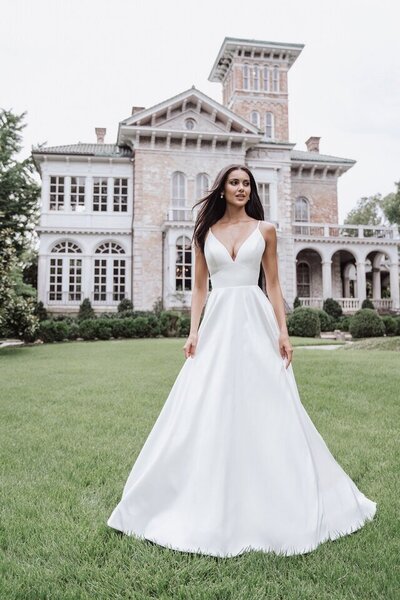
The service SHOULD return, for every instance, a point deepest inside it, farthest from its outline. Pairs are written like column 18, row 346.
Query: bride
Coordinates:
column 233, row 462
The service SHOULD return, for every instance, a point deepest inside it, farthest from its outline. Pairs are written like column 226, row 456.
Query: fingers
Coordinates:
column 189, row 349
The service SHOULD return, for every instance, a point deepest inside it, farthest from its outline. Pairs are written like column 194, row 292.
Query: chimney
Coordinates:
column 136, row 109
column 100, row 133
column 313, row 144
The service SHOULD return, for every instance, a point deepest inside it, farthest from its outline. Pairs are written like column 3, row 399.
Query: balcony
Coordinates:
column 349, row 305
column 338, row 231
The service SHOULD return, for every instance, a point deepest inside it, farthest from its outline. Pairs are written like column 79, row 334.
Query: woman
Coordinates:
column 233, row 462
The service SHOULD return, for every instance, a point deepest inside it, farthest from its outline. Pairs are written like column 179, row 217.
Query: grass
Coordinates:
column 302, row 341
column 74, row 417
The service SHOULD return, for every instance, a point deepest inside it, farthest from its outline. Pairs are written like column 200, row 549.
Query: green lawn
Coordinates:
column 74, row 417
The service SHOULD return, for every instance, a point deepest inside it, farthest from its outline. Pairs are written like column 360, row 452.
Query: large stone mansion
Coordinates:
column 116, row 219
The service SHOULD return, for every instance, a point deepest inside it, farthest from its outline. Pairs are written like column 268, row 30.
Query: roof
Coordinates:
column 108, row 150
column 304, row 156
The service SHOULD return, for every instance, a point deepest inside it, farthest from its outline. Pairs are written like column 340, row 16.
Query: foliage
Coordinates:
column 183, row 326
column 332, row 307
column 19, row 193
column 86, row 310
column 390, row 325
column 296, row 302
column 367, row 303
column 366, row 323
column 40, row 311
column 343, row 323
column 391, row 206
column 125, row 305
column 53, row 331
column 304, row 322
column 326, row 321
column 169, row 323
column 367, row 212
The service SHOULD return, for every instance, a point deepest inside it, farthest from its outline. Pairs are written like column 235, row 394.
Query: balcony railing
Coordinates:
column 181, row 214
column 64, row 298
column 106, row 298
column 348, row 304
column 329, row 230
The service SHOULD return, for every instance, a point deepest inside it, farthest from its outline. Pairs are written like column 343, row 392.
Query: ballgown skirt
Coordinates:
column 233, row 462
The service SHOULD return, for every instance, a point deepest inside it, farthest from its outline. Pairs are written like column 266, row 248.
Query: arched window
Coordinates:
column 202, row 185
column 109, row 276
column 256, row 77
column 65, row 275
column 183, row 264
column 302, row 215
column 266, row 79
column 245, row 77
column 275, row 79
column 269, row 126
column 178, row 195
column 303, row 279
column 255, row 118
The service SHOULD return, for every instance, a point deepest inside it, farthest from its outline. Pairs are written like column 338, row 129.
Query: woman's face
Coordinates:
column 237, row 188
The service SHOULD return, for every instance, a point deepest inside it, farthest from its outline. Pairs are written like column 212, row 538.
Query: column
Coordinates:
column 361, row 281
column 327, row 279
column 376, row 283
column 67, row 193
column 394, row 285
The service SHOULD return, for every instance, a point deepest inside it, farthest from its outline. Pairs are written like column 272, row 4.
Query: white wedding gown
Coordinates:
column 233, row 462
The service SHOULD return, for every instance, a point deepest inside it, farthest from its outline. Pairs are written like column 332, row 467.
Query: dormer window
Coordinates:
column 190, row 123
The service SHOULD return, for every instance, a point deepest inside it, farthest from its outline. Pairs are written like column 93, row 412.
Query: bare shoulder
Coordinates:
column 268, row 231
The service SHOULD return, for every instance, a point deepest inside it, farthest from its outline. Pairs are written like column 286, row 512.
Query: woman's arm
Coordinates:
column 199, row 296
column 270, row 266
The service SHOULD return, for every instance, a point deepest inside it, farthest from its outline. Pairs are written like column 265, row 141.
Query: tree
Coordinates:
column 19, row 193
column 367, row 212
column 391, row 206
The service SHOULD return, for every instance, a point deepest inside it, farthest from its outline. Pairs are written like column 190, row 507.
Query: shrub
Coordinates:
column 326, row 321
column 304, row 322
column 154, row 325
column 296, row 302
column 169, row 323
column 366, row 323
column 87, row 329
column 40, row 311
column 20, row 319
column 102, row 329
column 343, row 323
column 141, row 327
column 390, row 325
column 183, row 326
column 367, row 303
column 124, row 305
column 53, row 331
column 85, row 310
column 332, row 307
column 397, row 319
column 73, row 331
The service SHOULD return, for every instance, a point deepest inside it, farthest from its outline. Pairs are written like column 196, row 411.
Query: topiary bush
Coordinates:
column 366, row 323
column 343, row 323
column 73, row 330
column 53, row 331
column 397, row 319
column 367, row 303
column 304, row 322
column 326, row 321
column 390, row 325
column 87, row 329
column 103, row 329
column 40, row 311
column 332, row 307
column 124, row 305
column 169, row 323
column 296, row 302
column 86, row 310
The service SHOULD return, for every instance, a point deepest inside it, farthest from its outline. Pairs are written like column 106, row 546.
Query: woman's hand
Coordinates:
column 190, row 345
column 285, row 348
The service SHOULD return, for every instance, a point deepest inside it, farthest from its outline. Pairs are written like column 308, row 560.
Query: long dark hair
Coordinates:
column 213, row 207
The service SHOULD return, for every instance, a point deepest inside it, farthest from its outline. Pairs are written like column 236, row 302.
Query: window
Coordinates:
column 255, row 118
column 302, row 215
column 266, row 79
column 245, row 77
column 120, row 200
column 303, row 280
column 183, row 265
column 65, row 276
column 202, row 185
column 77, row 193
column 269, row 125
column 99, row 194
column 109, row 277
column 275, row 79
column 178, row 189
column 263, row 192
column 256, row 77
column 56, row 193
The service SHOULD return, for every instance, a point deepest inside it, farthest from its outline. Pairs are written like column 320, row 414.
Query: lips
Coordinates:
column 240, row 196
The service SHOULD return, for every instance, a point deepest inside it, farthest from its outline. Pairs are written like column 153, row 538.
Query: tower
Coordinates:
column 254, row 77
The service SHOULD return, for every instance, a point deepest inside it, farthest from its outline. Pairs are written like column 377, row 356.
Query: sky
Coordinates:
column 73, row 65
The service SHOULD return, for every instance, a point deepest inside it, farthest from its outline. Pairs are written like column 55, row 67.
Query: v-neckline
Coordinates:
column 241, row 245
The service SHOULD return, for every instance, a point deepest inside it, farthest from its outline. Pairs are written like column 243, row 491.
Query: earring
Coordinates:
column 222, row 195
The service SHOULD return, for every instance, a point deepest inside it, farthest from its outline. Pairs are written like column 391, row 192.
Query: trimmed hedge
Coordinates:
column 327, row 322
column 332, row 307
column 367, row 303
column 390, row 325
column 366, row 323
column 304, row 322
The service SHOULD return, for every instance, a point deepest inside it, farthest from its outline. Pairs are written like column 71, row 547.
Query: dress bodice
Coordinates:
column 244, row 269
